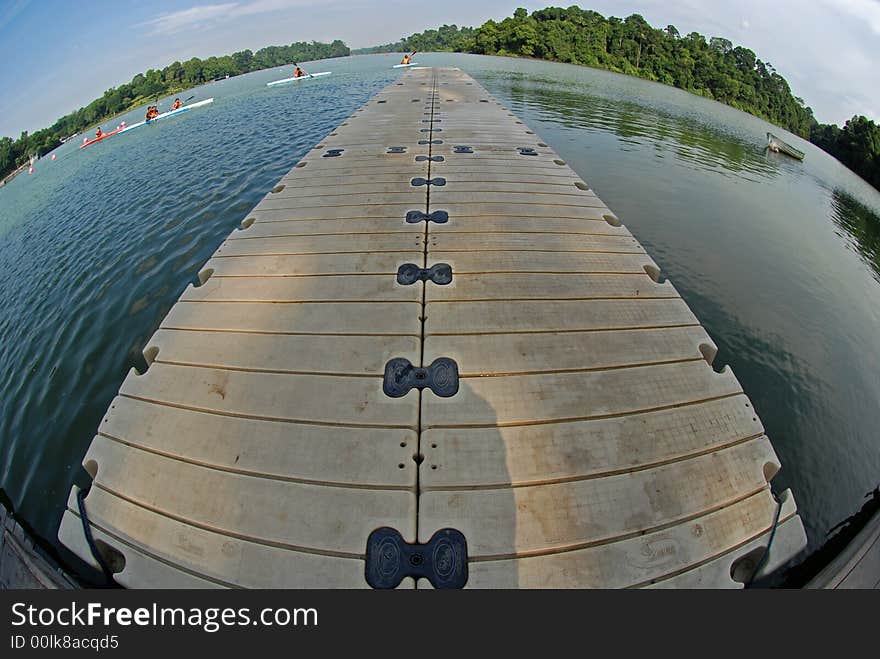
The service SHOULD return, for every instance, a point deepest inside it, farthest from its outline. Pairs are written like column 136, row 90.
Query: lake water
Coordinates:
column 779, row 259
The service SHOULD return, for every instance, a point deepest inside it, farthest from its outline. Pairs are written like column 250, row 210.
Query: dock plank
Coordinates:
column 339, row 319
column 320, row 399
column 547, row 286
column 564, row 516
column 354, row 456
column 151, row 481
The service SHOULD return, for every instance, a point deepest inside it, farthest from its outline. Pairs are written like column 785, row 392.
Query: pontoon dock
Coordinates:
column 584, row 441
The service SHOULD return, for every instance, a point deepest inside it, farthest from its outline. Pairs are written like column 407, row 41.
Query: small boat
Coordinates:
column 403, row 66
column 104, row 136
column 308, row 75
column 170, row 113
column 778, row 146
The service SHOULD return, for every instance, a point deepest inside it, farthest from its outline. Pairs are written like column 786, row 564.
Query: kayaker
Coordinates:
column 152, row 112
column 299, row 73
column 177, row 104
column 407, row 59
column 98, row 133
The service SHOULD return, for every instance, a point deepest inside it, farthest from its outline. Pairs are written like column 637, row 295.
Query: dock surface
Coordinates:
column 589, row 443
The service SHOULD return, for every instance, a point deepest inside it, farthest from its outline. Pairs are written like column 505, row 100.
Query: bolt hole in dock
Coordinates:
column 709, row 352
column 743, row 568
column 204, row 275
column 150, row 355
column 278, row 188
column 91, row 467
column 653, row 272
column 301, row 164
column 113, row 557
column 581, row 185
column 770, row 470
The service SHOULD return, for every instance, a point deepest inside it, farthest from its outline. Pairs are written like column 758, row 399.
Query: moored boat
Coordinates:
column 779, row 146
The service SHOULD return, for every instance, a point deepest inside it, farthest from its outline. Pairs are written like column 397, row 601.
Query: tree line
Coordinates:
column 712, row 68
column 145, row 87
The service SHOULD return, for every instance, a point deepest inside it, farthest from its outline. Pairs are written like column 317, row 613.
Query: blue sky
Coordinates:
column 58, row 55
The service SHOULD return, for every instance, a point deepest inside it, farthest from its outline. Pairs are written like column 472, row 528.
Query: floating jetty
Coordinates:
column 432, row 351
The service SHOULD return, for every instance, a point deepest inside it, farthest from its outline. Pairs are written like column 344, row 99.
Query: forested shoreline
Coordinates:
column 144, row 87
column 712, row 68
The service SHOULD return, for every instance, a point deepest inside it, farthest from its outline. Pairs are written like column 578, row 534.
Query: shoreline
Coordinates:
column 13, row 174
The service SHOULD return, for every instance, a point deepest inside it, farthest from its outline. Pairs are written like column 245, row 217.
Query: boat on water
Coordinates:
column 123, row 128
column 104, row 136
column 297, row 79
column 170, row 113
column 779, row 146
column 404, row 66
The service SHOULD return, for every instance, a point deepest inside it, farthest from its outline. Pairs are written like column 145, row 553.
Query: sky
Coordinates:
column 59, row 55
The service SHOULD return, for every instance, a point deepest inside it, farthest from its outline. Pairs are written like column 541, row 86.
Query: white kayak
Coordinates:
column 170, row 113
column 403, row 66
column 308, row 75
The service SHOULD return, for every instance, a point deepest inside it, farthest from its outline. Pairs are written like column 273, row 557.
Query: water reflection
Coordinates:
column 860, row 227
column 708, row 147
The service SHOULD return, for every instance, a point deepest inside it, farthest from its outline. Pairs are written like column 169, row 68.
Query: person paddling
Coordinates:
column 407, row 59
column 177, row 104
column 99, row 133
column 152, row 112
column 299, row 73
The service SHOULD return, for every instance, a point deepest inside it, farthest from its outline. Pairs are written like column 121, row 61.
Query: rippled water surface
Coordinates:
column 780, row 259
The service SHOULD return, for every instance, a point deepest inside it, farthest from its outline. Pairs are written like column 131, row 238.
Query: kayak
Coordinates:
column 403, row 66
column 170, row 113
column 309, row 75
column 98, row 139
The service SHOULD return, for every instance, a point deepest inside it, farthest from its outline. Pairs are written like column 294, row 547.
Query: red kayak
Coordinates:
column 98, row 139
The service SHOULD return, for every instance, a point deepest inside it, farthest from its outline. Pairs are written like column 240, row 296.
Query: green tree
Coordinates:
column 715, row 68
